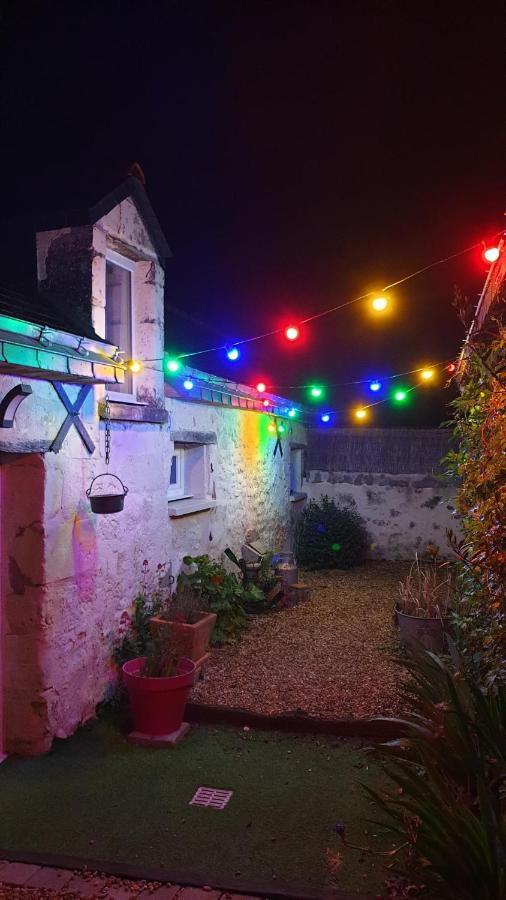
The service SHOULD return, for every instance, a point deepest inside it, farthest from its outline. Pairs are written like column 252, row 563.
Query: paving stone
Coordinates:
column 18, row 873
column 86, row 887
column 48, row 877
column 165, row 892
column 190, row 893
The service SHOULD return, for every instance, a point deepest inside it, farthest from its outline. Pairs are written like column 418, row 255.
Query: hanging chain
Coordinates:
column 107, row 420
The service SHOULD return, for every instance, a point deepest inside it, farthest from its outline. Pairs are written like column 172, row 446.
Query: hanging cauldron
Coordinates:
column 105, row 504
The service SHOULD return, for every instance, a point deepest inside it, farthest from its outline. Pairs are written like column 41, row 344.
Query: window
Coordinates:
column 187, row 475
column 118, row 314
column 296, row 467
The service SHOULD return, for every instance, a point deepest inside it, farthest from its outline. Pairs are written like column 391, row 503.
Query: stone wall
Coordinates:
column 403, row 510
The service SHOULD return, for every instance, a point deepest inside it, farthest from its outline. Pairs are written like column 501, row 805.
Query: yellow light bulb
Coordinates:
column 427, row 374
column 134, row 365
column 379, row 303
column 360, row 414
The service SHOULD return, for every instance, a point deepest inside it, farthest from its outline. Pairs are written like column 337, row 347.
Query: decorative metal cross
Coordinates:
column 278, row 444
column 73, row 410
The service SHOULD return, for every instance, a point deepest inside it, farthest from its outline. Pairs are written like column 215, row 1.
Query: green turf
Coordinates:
column 95, row 796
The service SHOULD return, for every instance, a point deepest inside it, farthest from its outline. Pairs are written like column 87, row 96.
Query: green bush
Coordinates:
column 448, row 797
column 330, row 536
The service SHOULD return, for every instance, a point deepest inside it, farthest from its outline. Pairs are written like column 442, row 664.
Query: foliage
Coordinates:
column 479, row 462
column 448, row 799
column 187, row 605
column 258, row 595
column 135, row 633
column 161, row 658
column 220, row 591
column 329, row 536
column 428, row 590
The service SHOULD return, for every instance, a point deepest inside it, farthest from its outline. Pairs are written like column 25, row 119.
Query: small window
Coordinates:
column 296, row 470
column 187, row 474
column 118, row 315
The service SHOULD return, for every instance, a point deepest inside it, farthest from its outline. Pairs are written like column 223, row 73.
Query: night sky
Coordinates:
column 296, row 154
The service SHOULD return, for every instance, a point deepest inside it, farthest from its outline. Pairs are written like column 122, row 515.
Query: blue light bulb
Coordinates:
column 233, row 354
column 375, row 386
column 188, row 384
column 325, row 418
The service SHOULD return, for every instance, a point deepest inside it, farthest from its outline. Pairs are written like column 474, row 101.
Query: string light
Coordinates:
column 233, row 353
column 325, row 418
column 267, row 403
column 188, row 384
column 361, row 414
column 375, row 386
column 271, row 427
column 379, row 303
column 451, row 368
column 281, row 428
column 292, row 412
column 400, row 395
column 173, row 365
column 316, row 391
column 261, row 388
column 427, row 374
column 134, row 365
column 491, row 254
column 291, row 333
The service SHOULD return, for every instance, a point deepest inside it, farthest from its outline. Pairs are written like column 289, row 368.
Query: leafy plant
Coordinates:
column 161, row 658
column 427, row 592
column 448, row 774
column 329, row 536
column 220, row 591
column 258, row 594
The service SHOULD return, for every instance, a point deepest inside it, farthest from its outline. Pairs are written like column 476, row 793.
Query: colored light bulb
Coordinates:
column 281, row 428
column 427, row 374
column 400, row 396
column 267, row 402
column 325, row 418
column 188, row 384
column 379, row 303
column 134, row 365
column 233, row 353
column 271, row 427
column 316, row 391
column 375, row 386
column 261, row 388
column 173, row 365
column 451, row 368
column 291, row 333
column 292, row 413
column 491, row 254
column 360, row 414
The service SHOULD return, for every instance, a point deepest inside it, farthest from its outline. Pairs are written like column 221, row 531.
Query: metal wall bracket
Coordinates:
column 9, row 404
column 73, row 410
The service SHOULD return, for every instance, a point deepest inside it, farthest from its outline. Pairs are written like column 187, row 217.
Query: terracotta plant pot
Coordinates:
column 158, row 704
column 191, row 640
column 428, row 633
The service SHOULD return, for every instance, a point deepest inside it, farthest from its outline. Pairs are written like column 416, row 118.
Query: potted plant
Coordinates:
column 158, row 685
column 186, row 620
column 220, row 592
column 425, row 602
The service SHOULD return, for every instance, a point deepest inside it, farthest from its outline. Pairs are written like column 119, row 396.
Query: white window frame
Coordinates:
column 297, row 469
column 124, row 263
column 176, row 491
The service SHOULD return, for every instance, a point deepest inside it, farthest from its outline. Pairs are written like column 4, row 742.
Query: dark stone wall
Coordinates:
column 392, row 451
column 68, row 282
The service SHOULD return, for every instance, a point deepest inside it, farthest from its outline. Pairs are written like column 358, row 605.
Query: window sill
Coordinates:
column 298, row 495
column 190, row 506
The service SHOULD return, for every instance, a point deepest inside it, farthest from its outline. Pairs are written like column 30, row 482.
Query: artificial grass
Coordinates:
column 97, row 797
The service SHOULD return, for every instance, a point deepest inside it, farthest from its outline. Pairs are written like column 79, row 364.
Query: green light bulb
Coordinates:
column 173, row 365
column 316, row 391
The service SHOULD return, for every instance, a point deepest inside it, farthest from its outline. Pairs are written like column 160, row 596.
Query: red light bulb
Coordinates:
column 491, row 254
column 267, row 402
column 261, row 387
column 451, row 368
column 291, row 333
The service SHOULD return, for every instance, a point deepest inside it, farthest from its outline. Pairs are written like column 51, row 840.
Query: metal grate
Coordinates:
column 214, row 797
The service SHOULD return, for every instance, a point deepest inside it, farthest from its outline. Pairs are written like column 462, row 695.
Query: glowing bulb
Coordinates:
column 261, row 388
column 451, row 368
column 316, row 391
column 325, row 418
column 360, row 413
column 400, row 396
column 233, row 354
column 375, row 386
column 271, row 427
column 188, row 384
column 281, row 428
column 379, row 303
column 291, row 333
column 267, row 402
column 491, row 254
column 134, row 365
column 292, row 413
column 173, row 365
column 427, row 374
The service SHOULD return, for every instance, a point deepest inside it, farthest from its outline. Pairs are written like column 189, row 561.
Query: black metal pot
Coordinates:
column 105, row 504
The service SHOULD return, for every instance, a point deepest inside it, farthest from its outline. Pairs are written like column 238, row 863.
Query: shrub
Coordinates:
column 448, row 779
column 330, row 536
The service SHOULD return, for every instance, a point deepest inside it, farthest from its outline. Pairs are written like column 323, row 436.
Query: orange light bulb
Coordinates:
column 379, row 303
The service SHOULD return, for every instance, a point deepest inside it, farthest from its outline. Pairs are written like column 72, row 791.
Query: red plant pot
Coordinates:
column 158, row 704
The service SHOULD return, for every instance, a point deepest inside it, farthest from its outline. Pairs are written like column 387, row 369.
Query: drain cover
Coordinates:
column 214, row 797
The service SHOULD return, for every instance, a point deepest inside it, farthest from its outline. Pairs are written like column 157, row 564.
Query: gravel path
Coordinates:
column 328, row 656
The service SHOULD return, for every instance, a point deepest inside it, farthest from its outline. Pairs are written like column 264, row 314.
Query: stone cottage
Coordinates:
column 202, row 468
